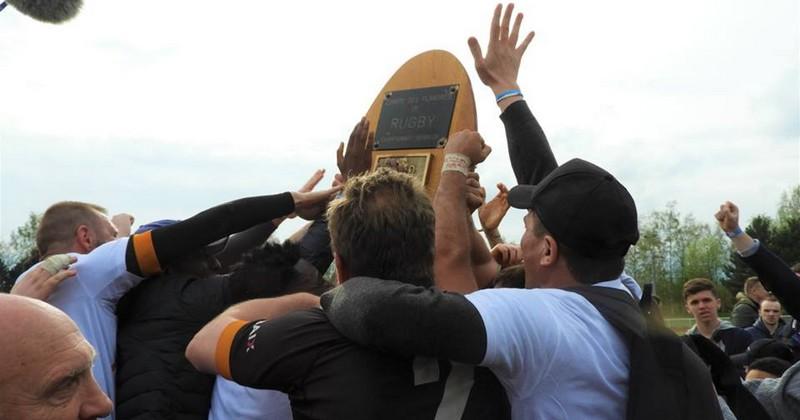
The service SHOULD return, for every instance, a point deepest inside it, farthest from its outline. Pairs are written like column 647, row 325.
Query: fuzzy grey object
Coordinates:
column 51, row 11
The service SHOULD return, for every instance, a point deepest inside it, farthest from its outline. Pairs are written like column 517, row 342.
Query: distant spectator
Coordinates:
column 745, row 311
column 767, row 367
column 769, row 323
column 702, row 302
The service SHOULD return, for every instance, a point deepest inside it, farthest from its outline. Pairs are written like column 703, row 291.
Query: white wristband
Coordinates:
column 456, row 162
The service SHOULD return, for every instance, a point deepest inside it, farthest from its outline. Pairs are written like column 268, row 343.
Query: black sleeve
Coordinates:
column 315, row 246
column 777, row 277
column 148, row 252
column 244, row 241
column 279, row 353
column 528, row 149
column 407, row 320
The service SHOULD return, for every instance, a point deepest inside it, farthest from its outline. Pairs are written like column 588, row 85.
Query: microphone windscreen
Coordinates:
column 52, row 11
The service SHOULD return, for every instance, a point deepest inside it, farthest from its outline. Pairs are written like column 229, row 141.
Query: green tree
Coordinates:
column 19, row 253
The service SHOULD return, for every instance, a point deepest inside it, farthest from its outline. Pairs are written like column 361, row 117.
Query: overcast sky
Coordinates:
column 165, row 108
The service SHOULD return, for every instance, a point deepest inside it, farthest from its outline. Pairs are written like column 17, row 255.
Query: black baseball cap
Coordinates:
column 765, row 347
column 584, row 207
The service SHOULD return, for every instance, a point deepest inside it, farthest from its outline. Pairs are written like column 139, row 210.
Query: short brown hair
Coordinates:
column 698, row 285
column 750, row 283
column 383, row 226
column 60, row 221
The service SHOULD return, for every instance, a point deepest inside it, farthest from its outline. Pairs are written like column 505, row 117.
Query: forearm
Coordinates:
column 493, row 237
column 484, row 266
column 148, row 252
column 528, row 149
column 407, row 320
column 201, row 350
column 452, row 237
column 777, row 277
column 244, row 241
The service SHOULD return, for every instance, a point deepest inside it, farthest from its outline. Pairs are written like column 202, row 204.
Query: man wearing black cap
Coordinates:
column 554, row 351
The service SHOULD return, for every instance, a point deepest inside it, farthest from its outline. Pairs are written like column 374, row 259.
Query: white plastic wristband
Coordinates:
column 456, row 162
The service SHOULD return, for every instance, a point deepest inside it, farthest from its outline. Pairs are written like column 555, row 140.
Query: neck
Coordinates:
column 707, row 328
column 770, row 328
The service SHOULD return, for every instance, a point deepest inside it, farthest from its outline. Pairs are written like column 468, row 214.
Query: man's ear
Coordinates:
column 550, row 254
column 83, row 238
column 342, row 273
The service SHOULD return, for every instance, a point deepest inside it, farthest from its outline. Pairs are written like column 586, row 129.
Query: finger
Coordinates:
column 514, row 37
column 56, row 262
column 340, row 155
column 370, row 142
column 506, row 22
column 502, row 187
column 365, row 135
column 485, row 152
column 525, row 43
column 473, row 175
column 313, row 181
column 475, row 49
column 473, row 183
column 495, row 29
column 56, row 279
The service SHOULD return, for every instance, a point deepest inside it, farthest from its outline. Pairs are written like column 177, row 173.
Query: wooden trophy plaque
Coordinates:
column 427, row 99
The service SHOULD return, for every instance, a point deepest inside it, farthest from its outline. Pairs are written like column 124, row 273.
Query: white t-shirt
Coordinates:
column 233, row 401
column 90, row 299
column 554, row 353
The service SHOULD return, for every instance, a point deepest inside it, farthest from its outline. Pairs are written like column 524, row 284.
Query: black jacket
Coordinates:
column 158, row 318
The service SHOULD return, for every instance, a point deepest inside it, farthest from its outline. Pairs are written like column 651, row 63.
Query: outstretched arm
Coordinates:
column 202, row 350
column 774, row 273
column 147, row 252
column 407, row 320
column 530, row 154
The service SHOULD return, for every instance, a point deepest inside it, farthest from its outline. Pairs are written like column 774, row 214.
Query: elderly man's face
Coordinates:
column 49, row 376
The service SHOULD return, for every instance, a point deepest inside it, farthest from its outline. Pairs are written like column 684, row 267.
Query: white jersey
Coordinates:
column 233, row 401
column 90, row 299
column 554, row 353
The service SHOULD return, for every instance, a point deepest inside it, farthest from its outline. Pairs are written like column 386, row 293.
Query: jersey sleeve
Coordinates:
column 103, row 273
column 273, row 354
column 517, row 324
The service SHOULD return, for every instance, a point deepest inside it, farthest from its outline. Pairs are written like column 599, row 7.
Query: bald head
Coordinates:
column 45, row 371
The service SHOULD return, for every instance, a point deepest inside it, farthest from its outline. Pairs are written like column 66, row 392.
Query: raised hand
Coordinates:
column 123, row 223
column 728, row 216
column 309, row 205
column 43, row 280
column 492, row 213
column 470, row 144
column 499, row 68
column 357, row 159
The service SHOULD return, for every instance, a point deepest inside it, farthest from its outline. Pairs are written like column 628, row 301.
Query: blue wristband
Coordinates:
column 736, row 232
column 507, row 94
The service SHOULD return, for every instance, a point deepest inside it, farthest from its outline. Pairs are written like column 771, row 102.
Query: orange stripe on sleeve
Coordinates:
column 146, row 254
column 222, row 356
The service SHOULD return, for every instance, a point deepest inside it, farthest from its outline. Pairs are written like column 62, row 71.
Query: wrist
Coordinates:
column 736, row 232
column 456, row 162
column 502, row 87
